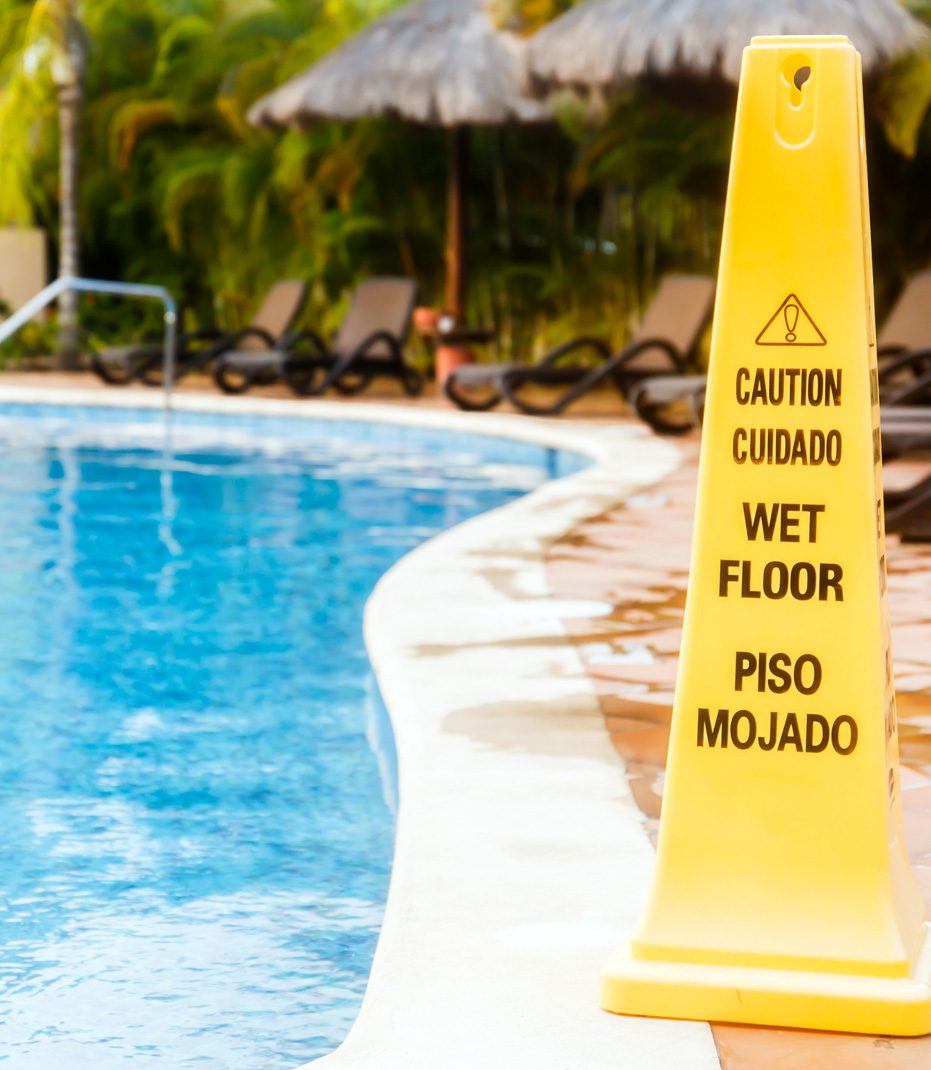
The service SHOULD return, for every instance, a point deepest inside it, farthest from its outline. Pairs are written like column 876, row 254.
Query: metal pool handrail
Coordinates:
column 55, row 289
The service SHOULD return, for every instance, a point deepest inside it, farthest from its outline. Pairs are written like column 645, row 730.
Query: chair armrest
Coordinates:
column 393, row 343
column 676, row 359
column 915, row 390
column 600, row 346
column 917, row 359
column 231, row 341
column 295, row 339
column 666, row 389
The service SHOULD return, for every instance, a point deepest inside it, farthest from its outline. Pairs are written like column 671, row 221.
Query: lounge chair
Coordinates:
column 908, row 507
column 675, row 403
column 904, row 343
column 663, row 342
column 670, row 404
column 913, row 389
column 119, row 365
column 906, row 431
column 369, row 344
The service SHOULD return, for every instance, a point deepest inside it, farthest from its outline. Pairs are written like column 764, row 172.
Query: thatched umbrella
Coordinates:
column 441, row 62
column 603, row 43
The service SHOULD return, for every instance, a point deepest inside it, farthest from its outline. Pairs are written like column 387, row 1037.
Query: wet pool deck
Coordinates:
column 635, row 557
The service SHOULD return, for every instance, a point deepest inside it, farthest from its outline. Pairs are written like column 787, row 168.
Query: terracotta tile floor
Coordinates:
column 636, row 558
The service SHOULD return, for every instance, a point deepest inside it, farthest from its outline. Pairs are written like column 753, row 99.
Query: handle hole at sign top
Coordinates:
column 796, row 72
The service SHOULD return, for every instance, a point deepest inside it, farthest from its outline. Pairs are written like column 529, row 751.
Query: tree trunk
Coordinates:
column 456, row 220
column 69, row 119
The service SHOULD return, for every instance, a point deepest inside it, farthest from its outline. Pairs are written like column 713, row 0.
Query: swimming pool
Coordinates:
column 194, row 786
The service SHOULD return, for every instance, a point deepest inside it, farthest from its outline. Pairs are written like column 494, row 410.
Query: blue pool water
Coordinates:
column 196, row 795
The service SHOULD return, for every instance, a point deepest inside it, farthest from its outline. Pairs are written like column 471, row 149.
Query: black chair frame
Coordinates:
column 197, row 359
column 656, row 414
column 146, row 361
column 546, row 365
column 311, row 375
column 913, row 390
column 613, row 367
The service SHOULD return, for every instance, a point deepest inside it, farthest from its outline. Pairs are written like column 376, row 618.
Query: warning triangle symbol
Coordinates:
column 790, row 325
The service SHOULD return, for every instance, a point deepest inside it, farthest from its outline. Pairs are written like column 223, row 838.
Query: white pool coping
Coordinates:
column 521, row 859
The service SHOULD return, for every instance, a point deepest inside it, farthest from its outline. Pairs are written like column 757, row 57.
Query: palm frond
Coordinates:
column 134, row 119
column 904, row 99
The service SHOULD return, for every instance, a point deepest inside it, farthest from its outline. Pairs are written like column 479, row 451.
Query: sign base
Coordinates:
column 793, row 998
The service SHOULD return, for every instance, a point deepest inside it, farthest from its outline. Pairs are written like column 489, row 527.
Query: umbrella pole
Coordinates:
column 456, row 219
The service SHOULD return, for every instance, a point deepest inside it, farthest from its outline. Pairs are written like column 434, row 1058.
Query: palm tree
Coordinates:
column 48, row 53
column 69, row 59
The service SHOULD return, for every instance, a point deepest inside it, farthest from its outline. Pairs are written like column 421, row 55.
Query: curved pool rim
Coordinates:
column 521, row 859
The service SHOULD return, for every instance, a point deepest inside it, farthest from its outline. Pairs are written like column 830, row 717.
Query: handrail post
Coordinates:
column 121, row 289
column 171, row 342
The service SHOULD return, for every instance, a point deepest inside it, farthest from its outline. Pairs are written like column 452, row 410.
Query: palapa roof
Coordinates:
column 600, row 43
column 442, row 62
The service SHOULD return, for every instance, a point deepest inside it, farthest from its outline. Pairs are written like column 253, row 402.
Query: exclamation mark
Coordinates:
column 791, row 314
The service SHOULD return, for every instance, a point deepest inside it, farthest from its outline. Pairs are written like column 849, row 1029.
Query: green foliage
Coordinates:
column 34, row 341
column 104, row 320
column 571, row 225
column 903, row 100
column 25, row 102
column 526, row 16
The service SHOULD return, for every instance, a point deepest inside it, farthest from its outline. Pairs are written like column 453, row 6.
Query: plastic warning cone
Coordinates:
column 782, row 893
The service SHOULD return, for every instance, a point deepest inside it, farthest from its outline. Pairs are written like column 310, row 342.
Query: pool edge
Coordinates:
column 495, row 932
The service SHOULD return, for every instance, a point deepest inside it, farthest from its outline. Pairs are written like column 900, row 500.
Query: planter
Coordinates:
column 448, row 358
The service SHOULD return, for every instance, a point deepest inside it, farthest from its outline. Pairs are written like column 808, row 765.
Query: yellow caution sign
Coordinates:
column 782, row 893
